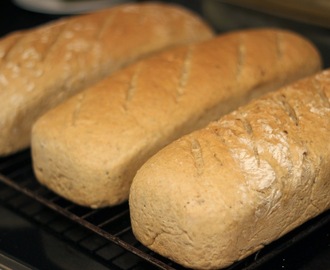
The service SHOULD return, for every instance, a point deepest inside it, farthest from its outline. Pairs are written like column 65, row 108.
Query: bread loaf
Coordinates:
column 221, row 193
column 41, row 67
column 89, row 148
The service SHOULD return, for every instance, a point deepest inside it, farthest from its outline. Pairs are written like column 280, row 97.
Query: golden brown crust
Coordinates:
column 218, row 194
column 98, row 139
column 41, row 67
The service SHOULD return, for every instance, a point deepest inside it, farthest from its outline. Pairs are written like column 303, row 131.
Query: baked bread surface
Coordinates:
column 89, row 148
column 41, row 67
column 221, row 193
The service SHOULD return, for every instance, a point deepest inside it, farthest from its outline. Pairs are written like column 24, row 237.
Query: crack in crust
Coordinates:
column 186, row 67
column 216, row 130
column 241, row 54
column 54, row 43
column 279, row 46
column 12, row 46
column 197, row 154
column 105, row 25
column 289, row 109
column 249, row 130
column 320, row 90
column 131, row 90
column 76, row 111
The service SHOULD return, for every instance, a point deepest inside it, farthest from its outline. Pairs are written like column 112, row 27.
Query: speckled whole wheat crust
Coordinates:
column 221, row 193
column 41, row 67
column 89, row 148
